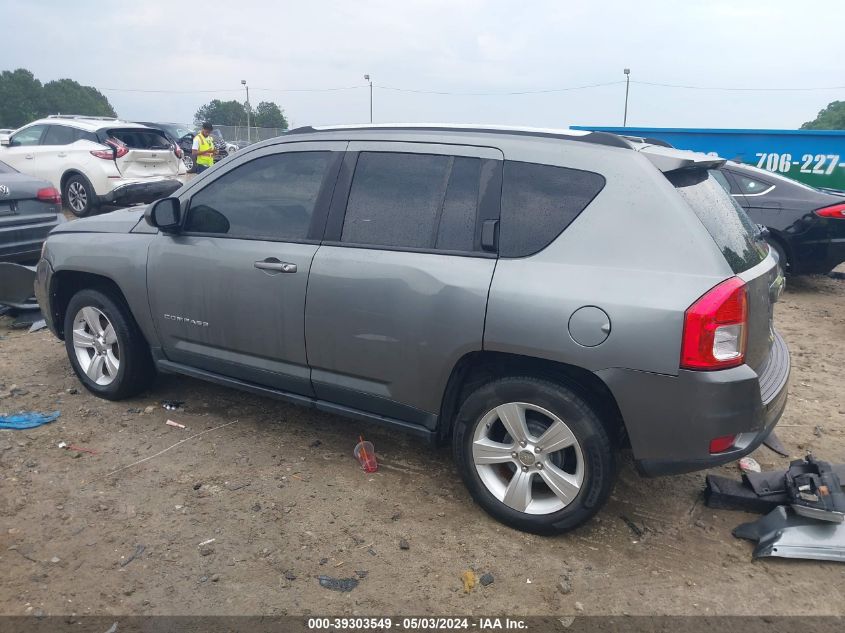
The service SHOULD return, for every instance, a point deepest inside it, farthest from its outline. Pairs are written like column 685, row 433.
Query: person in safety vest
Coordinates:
column 203, row 148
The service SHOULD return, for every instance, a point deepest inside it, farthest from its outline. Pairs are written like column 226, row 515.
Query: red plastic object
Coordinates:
column 365, row 453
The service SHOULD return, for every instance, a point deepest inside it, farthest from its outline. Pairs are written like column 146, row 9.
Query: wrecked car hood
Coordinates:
column 120, row 221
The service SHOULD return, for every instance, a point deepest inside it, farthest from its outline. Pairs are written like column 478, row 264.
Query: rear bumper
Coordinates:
column 140, row 192
column 670, row 420
column 21, row 238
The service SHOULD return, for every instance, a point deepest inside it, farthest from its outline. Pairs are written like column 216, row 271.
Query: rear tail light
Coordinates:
column 116, row 150
column 716, row 327
column 49, row 194
column 721, row 444
column 837, row 211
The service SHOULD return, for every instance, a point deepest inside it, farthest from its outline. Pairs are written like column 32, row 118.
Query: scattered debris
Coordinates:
column 289, row 575
column 139, row 549
column 818, row 431
column 396, row 515
column 198, row 485
column 579, row 606
column 55, row 560
column 78, row 449
column 749, row 465
column 315, row 443
column 27, row 420
column 215, row 578
column 404, row 544
column 486, row 579
column 112, row 628
column 784, row 534
column 637, row 530
column 338, row 584
column 72, row 391
column 172, row 405
column 133, row 410
column 38, row 325
column 176, row 424
column 149, row 409
column 233, row 487
column 206, row 547
column 362, row 573
column 564, row 585
column 469, row 580
column 365, row 453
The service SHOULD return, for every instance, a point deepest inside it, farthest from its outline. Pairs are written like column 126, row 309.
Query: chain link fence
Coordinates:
column 241, row 134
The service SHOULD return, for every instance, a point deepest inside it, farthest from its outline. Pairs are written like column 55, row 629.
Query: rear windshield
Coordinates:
column 731, row 229
column 138, row 138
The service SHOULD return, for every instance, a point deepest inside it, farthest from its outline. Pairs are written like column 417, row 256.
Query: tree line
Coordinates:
column 23, row 98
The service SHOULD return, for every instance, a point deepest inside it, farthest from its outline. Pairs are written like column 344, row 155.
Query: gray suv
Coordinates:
column 538, row 298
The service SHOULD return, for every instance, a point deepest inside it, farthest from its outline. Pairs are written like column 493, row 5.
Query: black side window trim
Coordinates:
column 489, row 204
column 318, row 216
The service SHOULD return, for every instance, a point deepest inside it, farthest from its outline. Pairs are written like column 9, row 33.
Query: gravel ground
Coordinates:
column 255, row 499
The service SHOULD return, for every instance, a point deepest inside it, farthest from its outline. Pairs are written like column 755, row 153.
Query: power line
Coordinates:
column 497, row 94
column 142, row 90
column 744, row 89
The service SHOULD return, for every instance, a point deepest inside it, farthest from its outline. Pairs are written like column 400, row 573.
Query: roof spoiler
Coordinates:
column 668, row 159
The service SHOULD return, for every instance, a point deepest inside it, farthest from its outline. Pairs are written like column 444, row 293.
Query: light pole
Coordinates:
column 627, row 84
column 367, row 78
column 248, row 133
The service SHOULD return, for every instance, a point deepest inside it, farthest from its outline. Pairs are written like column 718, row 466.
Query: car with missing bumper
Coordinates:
column 95, row 161
column 538, row 299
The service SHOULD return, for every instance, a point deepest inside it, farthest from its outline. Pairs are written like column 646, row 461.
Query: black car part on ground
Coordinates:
column 16, row 282
column 815, row 490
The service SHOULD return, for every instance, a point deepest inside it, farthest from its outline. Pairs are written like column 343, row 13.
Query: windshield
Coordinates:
column 729, row 226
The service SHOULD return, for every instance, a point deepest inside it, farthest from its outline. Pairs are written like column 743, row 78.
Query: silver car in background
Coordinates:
column 537, row 298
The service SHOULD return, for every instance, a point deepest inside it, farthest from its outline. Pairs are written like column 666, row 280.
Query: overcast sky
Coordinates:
column 458, row 46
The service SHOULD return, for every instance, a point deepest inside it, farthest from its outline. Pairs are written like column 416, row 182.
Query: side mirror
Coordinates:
column 4, row 141
column 164, row 214
column 188, row 137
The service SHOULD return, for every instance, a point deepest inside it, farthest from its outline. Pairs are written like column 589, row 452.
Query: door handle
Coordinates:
column 61, row 154
column 274, row 265
column 28, row 156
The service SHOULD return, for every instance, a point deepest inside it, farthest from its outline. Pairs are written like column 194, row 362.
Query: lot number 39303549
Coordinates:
column 809, row 163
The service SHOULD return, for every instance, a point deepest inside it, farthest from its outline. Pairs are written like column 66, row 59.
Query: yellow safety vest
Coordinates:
column 205, row 143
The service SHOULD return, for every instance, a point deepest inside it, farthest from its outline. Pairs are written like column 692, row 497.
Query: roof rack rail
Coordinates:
column 82, row 116
column 599, row 138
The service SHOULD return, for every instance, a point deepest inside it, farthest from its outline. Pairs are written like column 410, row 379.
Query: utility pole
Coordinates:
column 627, row 85
column 248, row 132
column 367, row 78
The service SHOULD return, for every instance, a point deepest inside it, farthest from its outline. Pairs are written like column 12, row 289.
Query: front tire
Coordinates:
column 534, row 454
column 79, row 196
column 105, row 347
column 189, row 162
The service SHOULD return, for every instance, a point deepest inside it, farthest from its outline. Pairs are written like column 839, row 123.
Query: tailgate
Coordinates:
column 148, row 153
column 764, row 284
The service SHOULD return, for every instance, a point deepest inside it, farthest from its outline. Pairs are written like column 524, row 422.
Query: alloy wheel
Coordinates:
column 77, row 197
column 528, row 458
column 95, row 344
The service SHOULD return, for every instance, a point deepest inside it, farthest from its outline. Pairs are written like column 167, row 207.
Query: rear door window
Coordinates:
column 539, row 202
column 422, row 201
column 60, row 135
column 728, row 224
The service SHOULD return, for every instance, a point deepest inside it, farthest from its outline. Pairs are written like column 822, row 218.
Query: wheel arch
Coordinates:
column 781, row 241
column 68, row 175
column 478, row 368
column 66, row 283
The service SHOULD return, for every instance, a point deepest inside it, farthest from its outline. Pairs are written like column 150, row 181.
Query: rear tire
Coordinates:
column 553, row 479
column 105, row 347
column 189, row 162
column 79, row 196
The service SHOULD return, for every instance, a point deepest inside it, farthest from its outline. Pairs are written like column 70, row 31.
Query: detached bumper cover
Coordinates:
column 671, row 419
column 137, row 192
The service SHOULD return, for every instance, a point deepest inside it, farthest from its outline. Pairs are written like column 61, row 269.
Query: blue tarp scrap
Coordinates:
column 27, row 420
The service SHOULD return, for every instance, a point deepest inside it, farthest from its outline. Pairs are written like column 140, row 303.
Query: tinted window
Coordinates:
column 138, row 138
column 268, row 198
column 61, row 135
column 722, row 180
column 750, row 185
column 724, row 219
column 29, row 136
column 395, row 199
column 539, row 202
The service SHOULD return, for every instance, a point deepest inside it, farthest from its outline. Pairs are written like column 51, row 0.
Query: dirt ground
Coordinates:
column 274, row 493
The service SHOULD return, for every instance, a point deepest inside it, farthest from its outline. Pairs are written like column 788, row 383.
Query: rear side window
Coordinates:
column 539, row 202
column 61, row 135
column 420, row 201
column 750, row 186
column 269, row 198
column 137, row 138
column 731, row 229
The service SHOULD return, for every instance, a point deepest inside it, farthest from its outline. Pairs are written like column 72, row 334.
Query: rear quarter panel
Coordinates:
column 637, row 252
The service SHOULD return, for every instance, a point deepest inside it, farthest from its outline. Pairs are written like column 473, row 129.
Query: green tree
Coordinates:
column 268, row 114
column 69, row 97
column 831, row 118
column 221, row 113
column 20, row 98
